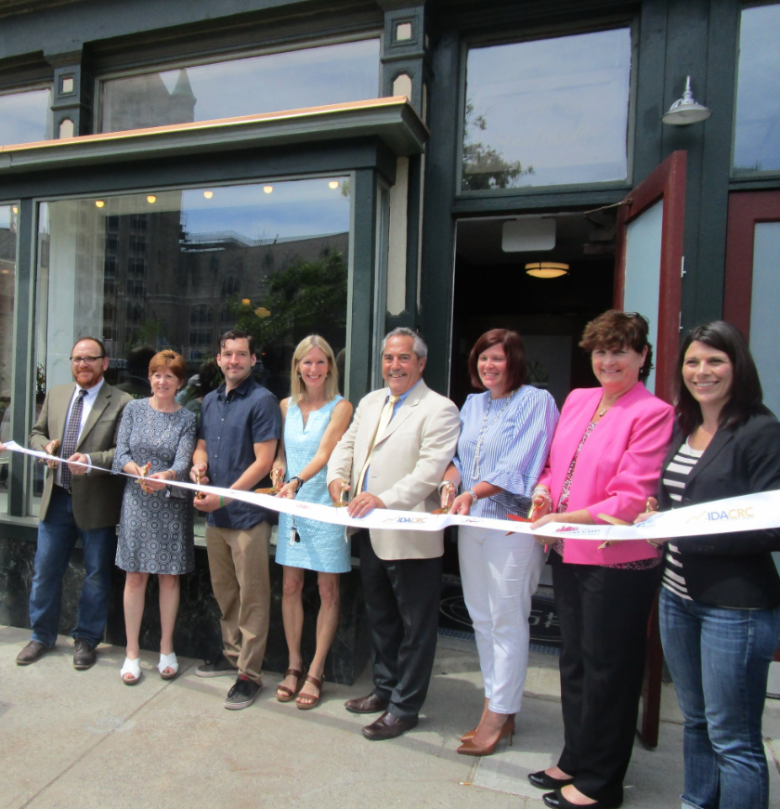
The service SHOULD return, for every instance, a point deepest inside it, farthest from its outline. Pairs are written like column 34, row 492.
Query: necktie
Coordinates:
column 384, row 420
column 71, row 438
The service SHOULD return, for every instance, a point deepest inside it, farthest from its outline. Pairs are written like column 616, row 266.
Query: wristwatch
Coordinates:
column 300, row 482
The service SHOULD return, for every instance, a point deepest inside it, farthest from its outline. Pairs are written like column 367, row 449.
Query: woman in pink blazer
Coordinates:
column 605, row 459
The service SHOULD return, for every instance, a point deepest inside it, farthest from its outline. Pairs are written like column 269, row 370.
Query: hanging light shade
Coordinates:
column 546, row 269
column 686, row 110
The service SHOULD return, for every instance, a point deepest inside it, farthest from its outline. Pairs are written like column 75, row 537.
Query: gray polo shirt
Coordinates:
column 231, row 425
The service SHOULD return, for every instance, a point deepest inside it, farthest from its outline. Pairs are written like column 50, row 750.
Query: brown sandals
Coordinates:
column 285, row 694
column 315, row 701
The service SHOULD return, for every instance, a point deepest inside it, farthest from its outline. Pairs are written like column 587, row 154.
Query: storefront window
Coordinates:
column 757, row 130
column 175, row 269
column 8, row 219
column 547, row 112
column 25, row 117
column 311, row 77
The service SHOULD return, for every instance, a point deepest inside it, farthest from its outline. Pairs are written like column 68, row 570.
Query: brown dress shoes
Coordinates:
column 388, row 726
column 32, row 652
column 84, row 655
column 370, row 704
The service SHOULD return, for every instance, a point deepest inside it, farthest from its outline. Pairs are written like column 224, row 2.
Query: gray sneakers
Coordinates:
column 242, row 694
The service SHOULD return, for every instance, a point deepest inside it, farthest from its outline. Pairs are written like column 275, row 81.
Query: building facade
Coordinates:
column 170, row 170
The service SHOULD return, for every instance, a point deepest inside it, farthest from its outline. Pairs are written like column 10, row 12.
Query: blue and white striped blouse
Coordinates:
column 514, row 448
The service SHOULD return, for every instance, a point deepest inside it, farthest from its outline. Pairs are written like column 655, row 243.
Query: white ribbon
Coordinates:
column 750, row 512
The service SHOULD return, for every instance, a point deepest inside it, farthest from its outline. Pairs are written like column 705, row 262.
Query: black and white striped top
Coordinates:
column 674, row 477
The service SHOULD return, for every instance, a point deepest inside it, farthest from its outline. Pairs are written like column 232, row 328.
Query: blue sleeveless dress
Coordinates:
column 322, row 547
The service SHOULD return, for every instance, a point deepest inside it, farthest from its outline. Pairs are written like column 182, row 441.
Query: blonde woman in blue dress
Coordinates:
column 314, row 418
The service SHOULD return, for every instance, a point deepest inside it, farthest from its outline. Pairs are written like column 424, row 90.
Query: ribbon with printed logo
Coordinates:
column 750, row 512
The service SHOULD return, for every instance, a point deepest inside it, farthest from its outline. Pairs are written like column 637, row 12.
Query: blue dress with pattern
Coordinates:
column 322, row 547
column 155, row 529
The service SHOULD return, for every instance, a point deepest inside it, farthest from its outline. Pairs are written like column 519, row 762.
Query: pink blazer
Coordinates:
column 617, row 469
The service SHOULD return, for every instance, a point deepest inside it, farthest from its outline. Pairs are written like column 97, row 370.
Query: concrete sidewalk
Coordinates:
column 82, row 739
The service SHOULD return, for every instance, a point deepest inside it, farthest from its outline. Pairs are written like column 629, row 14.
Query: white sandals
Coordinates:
column 133, row 668
column 168, row 662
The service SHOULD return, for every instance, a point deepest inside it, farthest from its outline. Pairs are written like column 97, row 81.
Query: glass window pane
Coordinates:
column 313, row 77
column 757, row 131
column 8, row 220
column 25, row 117
column 547, row 112
column 175, row 269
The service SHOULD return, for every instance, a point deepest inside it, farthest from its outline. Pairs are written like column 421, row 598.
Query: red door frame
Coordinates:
column 746, row 210
column 667, row 182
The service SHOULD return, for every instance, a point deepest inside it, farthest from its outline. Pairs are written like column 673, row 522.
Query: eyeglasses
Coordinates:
column 79, row 360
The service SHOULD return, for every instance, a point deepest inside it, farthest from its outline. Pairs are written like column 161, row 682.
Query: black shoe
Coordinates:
column 32, row 652
column 556, row 801
column 242, row 694
column 388, row 726
column 217, row 667
column 84, row 655
column 543, row 781
column 370, row 704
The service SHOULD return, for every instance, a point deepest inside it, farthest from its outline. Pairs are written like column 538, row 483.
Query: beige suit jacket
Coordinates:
column 407, row 466
column 97, row 496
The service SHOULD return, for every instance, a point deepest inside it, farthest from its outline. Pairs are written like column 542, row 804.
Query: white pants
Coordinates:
column 499, row 575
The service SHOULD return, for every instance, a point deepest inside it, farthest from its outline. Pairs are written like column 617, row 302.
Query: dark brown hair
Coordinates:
column 237, row 334
column 746, row 395
column 171, row 360
column 616, row 329
column 516, row 365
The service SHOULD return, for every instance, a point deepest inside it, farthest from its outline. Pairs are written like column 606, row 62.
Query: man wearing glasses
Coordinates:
column 78, row 422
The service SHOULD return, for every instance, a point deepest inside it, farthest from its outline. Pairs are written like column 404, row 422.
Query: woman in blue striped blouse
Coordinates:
column 505, row 436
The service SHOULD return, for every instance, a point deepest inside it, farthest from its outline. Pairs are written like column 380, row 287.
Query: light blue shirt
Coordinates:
column 514, row 448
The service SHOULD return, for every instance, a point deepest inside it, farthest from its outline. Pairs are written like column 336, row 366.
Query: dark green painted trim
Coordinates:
column 365, row 203
column 23, row 384
column 756, row 183
column 393, row 121
column 543, row 199
column 212, row 168
column 650, row 68
column 438, row 229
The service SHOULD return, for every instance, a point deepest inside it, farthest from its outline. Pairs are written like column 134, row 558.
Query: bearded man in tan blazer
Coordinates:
column 78, row 503
column 398, row 464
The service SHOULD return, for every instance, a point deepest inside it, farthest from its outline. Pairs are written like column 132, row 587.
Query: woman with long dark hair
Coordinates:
column 720, row 600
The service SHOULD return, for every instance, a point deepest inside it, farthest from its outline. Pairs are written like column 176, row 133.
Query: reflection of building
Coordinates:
column 146, row 101
column 7, row 283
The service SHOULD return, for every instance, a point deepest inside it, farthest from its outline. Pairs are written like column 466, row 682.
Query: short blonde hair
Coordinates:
column 297, row 387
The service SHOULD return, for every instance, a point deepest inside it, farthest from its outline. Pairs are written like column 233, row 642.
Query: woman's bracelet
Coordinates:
column 221, row 501
column 300, row 482
column 447, row 483
column 474, row 496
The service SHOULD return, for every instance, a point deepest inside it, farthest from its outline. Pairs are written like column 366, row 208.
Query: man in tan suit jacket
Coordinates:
column 84, row 505
column 401, row 570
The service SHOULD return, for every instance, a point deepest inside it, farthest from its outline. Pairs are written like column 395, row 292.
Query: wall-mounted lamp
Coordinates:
column 686, row 110
column 546, row 269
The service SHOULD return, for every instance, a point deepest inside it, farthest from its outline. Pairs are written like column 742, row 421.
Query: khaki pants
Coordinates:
column 238, row 560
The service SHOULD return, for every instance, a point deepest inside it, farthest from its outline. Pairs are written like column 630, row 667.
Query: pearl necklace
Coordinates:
column 475, row 467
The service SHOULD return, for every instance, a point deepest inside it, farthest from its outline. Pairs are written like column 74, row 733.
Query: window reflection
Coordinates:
column 547, row 112
column 25, row 117
column 757, row 131
column 8, row 220
column 330, row 74
column 178, row 273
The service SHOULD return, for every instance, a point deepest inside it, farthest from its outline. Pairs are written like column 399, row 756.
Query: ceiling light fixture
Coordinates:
column 151, row 199
column 546, row 269
column 208, row 194
column 334, row 184
column 99, row 203
column 268, row 189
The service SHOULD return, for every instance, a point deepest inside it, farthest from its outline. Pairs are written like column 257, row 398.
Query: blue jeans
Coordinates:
column 57, row 536
column 719, row 659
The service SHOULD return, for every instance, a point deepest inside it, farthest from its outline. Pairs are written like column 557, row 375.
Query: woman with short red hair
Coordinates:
column 155, row 441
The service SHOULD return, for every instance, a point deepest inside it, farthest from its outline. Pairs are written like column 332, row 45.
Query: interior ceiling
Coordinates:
column 579, row 239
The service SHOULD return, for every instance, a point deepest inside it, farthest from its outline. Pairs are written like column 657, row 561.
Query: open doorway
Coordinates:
column 492, row 290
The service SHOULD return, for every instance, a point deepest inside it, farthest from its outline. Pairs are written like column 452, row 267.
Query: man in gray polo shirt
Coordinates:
column 240, row 427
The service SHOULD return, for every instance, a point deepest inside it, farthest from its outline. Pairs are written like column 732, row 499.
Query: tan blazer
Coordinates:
column 407, row 466
column 97, row 496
